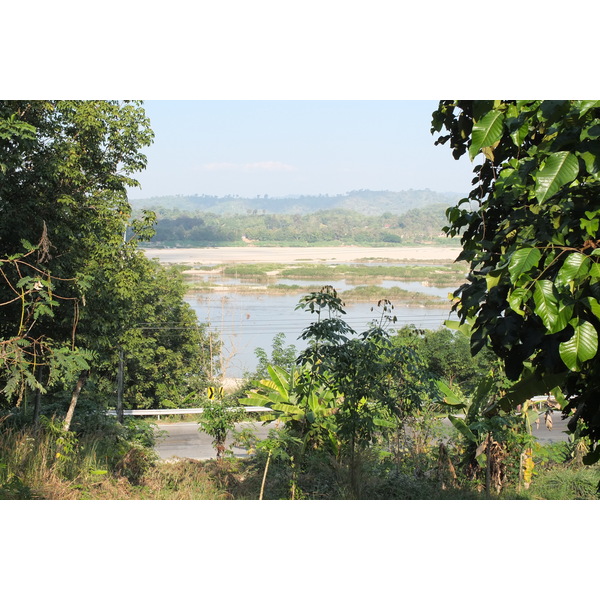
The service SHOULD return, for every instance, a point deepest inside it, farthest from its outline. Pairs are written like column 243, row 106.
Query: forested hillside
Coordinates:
column 326, row 227
column 365, row 202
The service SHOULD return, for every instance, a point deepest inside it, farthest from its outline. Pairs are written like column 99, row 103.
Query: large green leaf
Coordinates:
column 517, row 297
column 594, row 305
column 486, row 132
column 464, row 328
column 586, row 105
column 280, row 378
column 450, row 396
column 463, row 428
column 521, row 261
column 256, row 399
column 547, row 306
column 582, row 346
column 560, row 168
column 575, row 267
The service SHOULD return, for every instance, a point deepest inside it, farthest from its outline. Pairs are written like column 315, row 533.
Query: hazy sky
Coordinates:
column 279, row 148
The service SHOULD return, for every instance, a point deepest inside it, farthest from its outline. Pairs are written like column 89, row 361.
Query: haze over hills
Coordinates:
column 365, row 202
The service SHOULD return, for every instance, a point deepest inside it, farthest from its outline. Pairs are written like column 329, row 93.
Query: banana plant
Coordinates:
column 307, row 411
column 487, row 429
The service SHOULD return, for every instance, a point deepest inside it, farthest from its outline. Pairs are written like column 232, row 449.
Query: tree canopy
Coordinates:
column 74, row 288
column 529, row 231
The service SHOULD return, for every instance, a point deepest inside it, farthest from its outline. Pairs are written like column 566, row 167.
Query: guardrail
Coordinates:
column 143, row 412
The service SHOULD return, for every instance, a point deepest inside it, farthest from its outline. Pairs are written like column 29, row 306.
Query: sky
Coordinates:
column 285, row 148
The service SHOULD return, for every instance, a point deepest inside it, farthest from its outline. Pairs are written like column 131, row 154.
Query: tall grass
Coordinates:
column 39, row 464
column 566, row 483
column 44, row 465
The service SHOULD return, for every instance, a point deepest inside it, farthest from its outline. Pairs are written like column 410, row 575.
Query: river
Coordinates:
column 250, row 320
column 246, row 321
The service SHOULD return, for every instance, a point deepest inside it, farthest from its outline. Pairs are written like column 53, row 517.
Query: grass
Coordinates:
column 364, row 277
column 565, row 483
column 394, row 294
column 251, row 270
column 440, row 275
column 31, row 469
column 43, row 465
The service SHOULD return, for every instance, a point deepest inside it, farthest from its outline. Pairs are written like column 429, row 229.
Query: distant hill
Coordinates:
column 365, row 202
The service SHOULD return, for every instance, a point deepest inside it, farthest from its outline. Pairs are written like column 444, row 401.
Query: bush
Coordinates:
column 136, row 462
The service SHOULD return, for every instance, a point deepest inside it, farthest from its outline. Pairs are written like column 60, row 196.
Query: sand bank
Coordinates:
column 255, row 254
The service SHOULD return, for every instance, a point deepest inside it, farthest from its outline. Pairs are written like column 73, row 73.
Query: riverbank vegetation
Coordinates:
column 362, row 217
column 366, row 280
column 422, row 225
column 441, row 275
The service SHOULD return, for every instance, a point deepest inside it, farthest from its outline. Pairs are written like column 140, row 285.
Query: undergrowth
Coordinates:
column 120, row 463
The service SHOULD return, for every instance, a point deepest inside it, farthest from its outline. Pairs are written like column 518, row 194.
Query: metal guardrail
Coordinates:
column 143, row 412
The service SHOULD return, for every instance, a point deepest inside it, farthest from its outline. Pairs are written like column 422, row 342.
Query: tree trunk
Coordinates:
column 488, row 466
column 78, row 387
column 37, row 401
column 264, row 479
column 120, row 388
column 353, row 470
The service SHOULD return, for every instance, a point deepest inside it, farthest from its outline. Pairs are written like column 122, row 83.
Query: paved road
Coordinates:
column 559, row 432
column 183, row 440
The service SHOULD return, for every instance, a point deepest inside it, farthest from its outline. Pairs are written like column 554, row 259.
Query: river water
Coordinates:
column 246, row 321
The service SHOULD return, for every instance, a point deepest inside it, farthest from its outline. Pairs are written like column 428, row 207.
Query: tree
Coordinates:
column 138, row 308
column 64, row 170
column 219, row 418
column 447, row 355
column 75, row 290
column 530, row 234
column 376, row 383
column 281, row 356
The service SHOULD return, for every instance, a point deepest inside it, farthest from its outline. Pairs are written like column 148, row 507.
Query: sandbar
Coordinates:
column 287, row 255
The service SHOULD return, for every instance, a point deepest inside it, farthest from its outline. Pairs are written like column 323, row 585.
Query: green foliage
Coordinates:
column 494, row 443
column 306, row 411
column 75, row 290
column 66, row 166
column 529, row 232
column 447, row 356
column 347, row 390
column 325, row 227
column 49, row 462
column 281, row 356
column 141, row 310
column 218, row 418
column 566, row 483
column 438, row 275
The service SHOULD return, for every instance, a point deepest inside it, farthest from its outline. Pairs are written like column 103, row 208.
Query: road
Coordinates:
column 183, row 440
